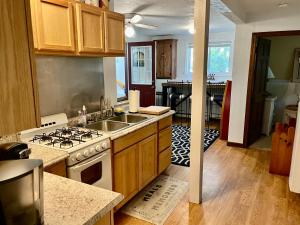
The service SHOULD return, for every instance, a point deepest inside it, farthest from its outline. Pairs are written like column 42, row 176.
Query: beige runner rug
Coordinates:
column 157, row 201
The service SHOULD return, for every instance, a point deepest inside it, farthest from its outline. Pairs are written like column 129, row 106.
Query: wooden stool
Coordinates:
column 282, row 149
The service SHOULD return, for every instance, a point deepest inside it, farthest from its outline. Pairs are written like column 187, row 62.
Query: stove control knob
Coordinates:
column 78, row 156
column 92, row 150
column 98, row 148
column 104, row 145
column 86, row 153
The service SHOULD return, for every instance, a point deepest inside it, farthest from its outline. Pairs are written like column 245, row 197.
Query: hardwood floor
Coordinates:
column 238, row 190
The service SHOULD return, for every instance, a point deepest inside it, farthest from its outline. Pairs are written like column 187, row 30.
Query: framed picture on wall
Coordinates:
column 296, row 73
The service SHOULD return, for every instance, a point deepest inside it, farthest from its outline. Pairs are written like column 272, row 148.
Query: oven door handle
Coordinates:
column 83, row 166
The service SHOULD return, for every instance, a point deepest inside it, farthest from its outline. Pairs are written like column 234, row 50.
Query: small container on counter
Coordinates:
column 95, row 2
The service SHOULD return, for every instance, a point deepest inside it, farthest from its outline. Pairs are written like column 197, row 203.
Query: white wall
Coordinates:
column 241, row 67
column 138, row 37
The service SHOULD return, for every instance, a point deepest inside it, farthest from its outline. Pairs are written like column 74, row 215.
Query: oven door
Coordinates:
column 94, row 171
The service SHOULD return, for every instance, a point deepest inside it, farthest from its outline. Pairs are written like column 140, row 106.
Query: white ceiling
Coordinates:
column 265, row 6
column 174, row 17
column 254, row 10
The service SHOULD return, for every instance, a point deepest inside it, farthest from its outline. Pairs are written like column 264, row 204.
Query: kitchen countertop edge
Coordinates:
column 48, row 155
column 152, row 119
column 57, row 197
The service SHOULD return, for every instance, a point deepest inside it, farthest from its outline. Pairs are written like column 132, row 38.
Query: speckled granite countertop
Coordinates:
column 68, row 202
column 152, row 119
column 49, row 156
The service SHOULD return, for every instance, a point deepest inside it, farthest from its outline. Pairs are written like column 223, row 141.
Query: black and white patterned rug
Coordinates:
column 181, row 143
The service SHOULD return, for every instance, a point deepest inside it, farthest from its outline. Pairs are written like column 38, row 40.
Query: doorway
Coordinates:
column 260, row 95
column 141, row 63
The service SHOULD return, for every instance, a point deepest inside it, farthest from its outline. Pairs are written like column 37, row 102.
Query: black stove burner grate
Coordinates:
column 66, row 137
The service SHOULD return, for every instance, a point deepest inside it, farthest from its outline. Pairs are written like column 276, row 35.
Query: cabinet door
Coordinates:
column 54, row 25
column 159, row 59
column 90, row 29
column 148, row 160
column 167, row 59
column 18, row 92
column 126, row 173
column 114, row 33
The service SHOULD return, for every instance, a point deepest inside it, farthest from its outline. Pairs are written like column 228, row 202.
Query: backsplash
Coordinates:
column 67, row 83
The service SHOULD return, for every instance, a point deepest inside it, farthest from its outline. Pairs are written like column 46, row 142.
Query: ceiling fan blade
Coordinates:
column 167, row 16
column 136, row 18
column 146, row 26
column 142, row 8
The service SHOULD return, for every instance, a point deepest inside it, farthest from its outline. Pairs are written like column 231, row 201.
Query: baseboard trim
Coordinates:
column 234, row 144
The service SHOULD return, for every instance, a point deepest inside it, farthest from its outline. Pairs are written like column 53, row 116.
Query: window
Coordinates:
column 219, row 59
column 121, row 79
column 190, row 53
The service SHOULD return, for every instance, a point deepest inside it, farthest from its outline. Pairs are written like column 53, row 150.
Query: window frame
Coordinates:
column 211, row 44
column 221, row 44
column 124, row 98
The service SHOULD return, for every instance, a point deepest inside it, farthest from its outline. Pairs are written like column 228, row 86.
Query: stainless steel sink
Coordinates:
column 107, row 126
column 128, row 118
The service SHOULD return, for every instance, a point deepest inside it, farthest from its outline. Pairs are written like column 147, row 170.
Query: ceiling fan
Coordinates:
column 133, row 20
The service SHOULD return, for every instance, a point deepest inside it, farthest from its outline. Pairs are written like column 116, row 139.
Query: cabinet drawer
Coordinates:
column 164, row 159
column 134, row 137
column 166, row 122
column 165, row 139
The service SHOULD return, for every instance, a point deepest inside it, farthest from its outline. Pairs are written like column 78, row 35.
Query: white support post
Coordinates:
column 201, row 23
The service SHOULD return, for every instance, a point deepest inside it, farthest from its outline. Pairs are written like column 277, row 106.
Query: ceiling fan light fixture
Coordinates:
column 129, row 31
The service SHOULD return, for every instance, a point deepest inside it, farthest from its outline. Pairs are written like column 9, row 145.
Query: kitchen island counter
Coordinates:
column 68, row 202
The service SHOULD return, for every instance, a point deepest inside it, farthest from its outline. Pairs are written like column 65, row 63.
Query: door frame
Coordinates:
column 251, row 75
column 134, row 44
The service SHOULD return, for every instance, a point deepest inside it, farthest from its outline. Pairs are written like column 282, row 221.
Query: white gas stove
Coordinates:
column 89, row 158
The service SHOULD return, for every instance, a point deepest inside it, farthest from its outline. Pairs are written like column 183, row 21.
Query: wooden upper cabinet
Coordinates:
column 166, row 59
column 66, row 27
column 90, row 29
column 53, row 25
column 114, row 33
column 19, row 109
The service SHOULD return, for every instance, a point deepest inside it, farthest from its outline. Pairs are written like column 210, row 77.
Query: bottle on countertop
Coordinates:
column 84, row 113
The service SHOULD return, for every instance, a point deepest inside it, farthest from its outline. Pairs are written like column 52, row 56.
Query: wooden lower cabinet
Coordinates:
column 164, row 159
column 108, row 219
column 165, row 139
column 126, row 176
column 58, row 169
column 147, row 160
column 136, row 166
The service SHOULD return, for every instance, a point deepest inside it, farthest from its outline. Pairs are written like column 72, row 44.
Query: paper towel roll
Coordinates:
column 134, row 100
